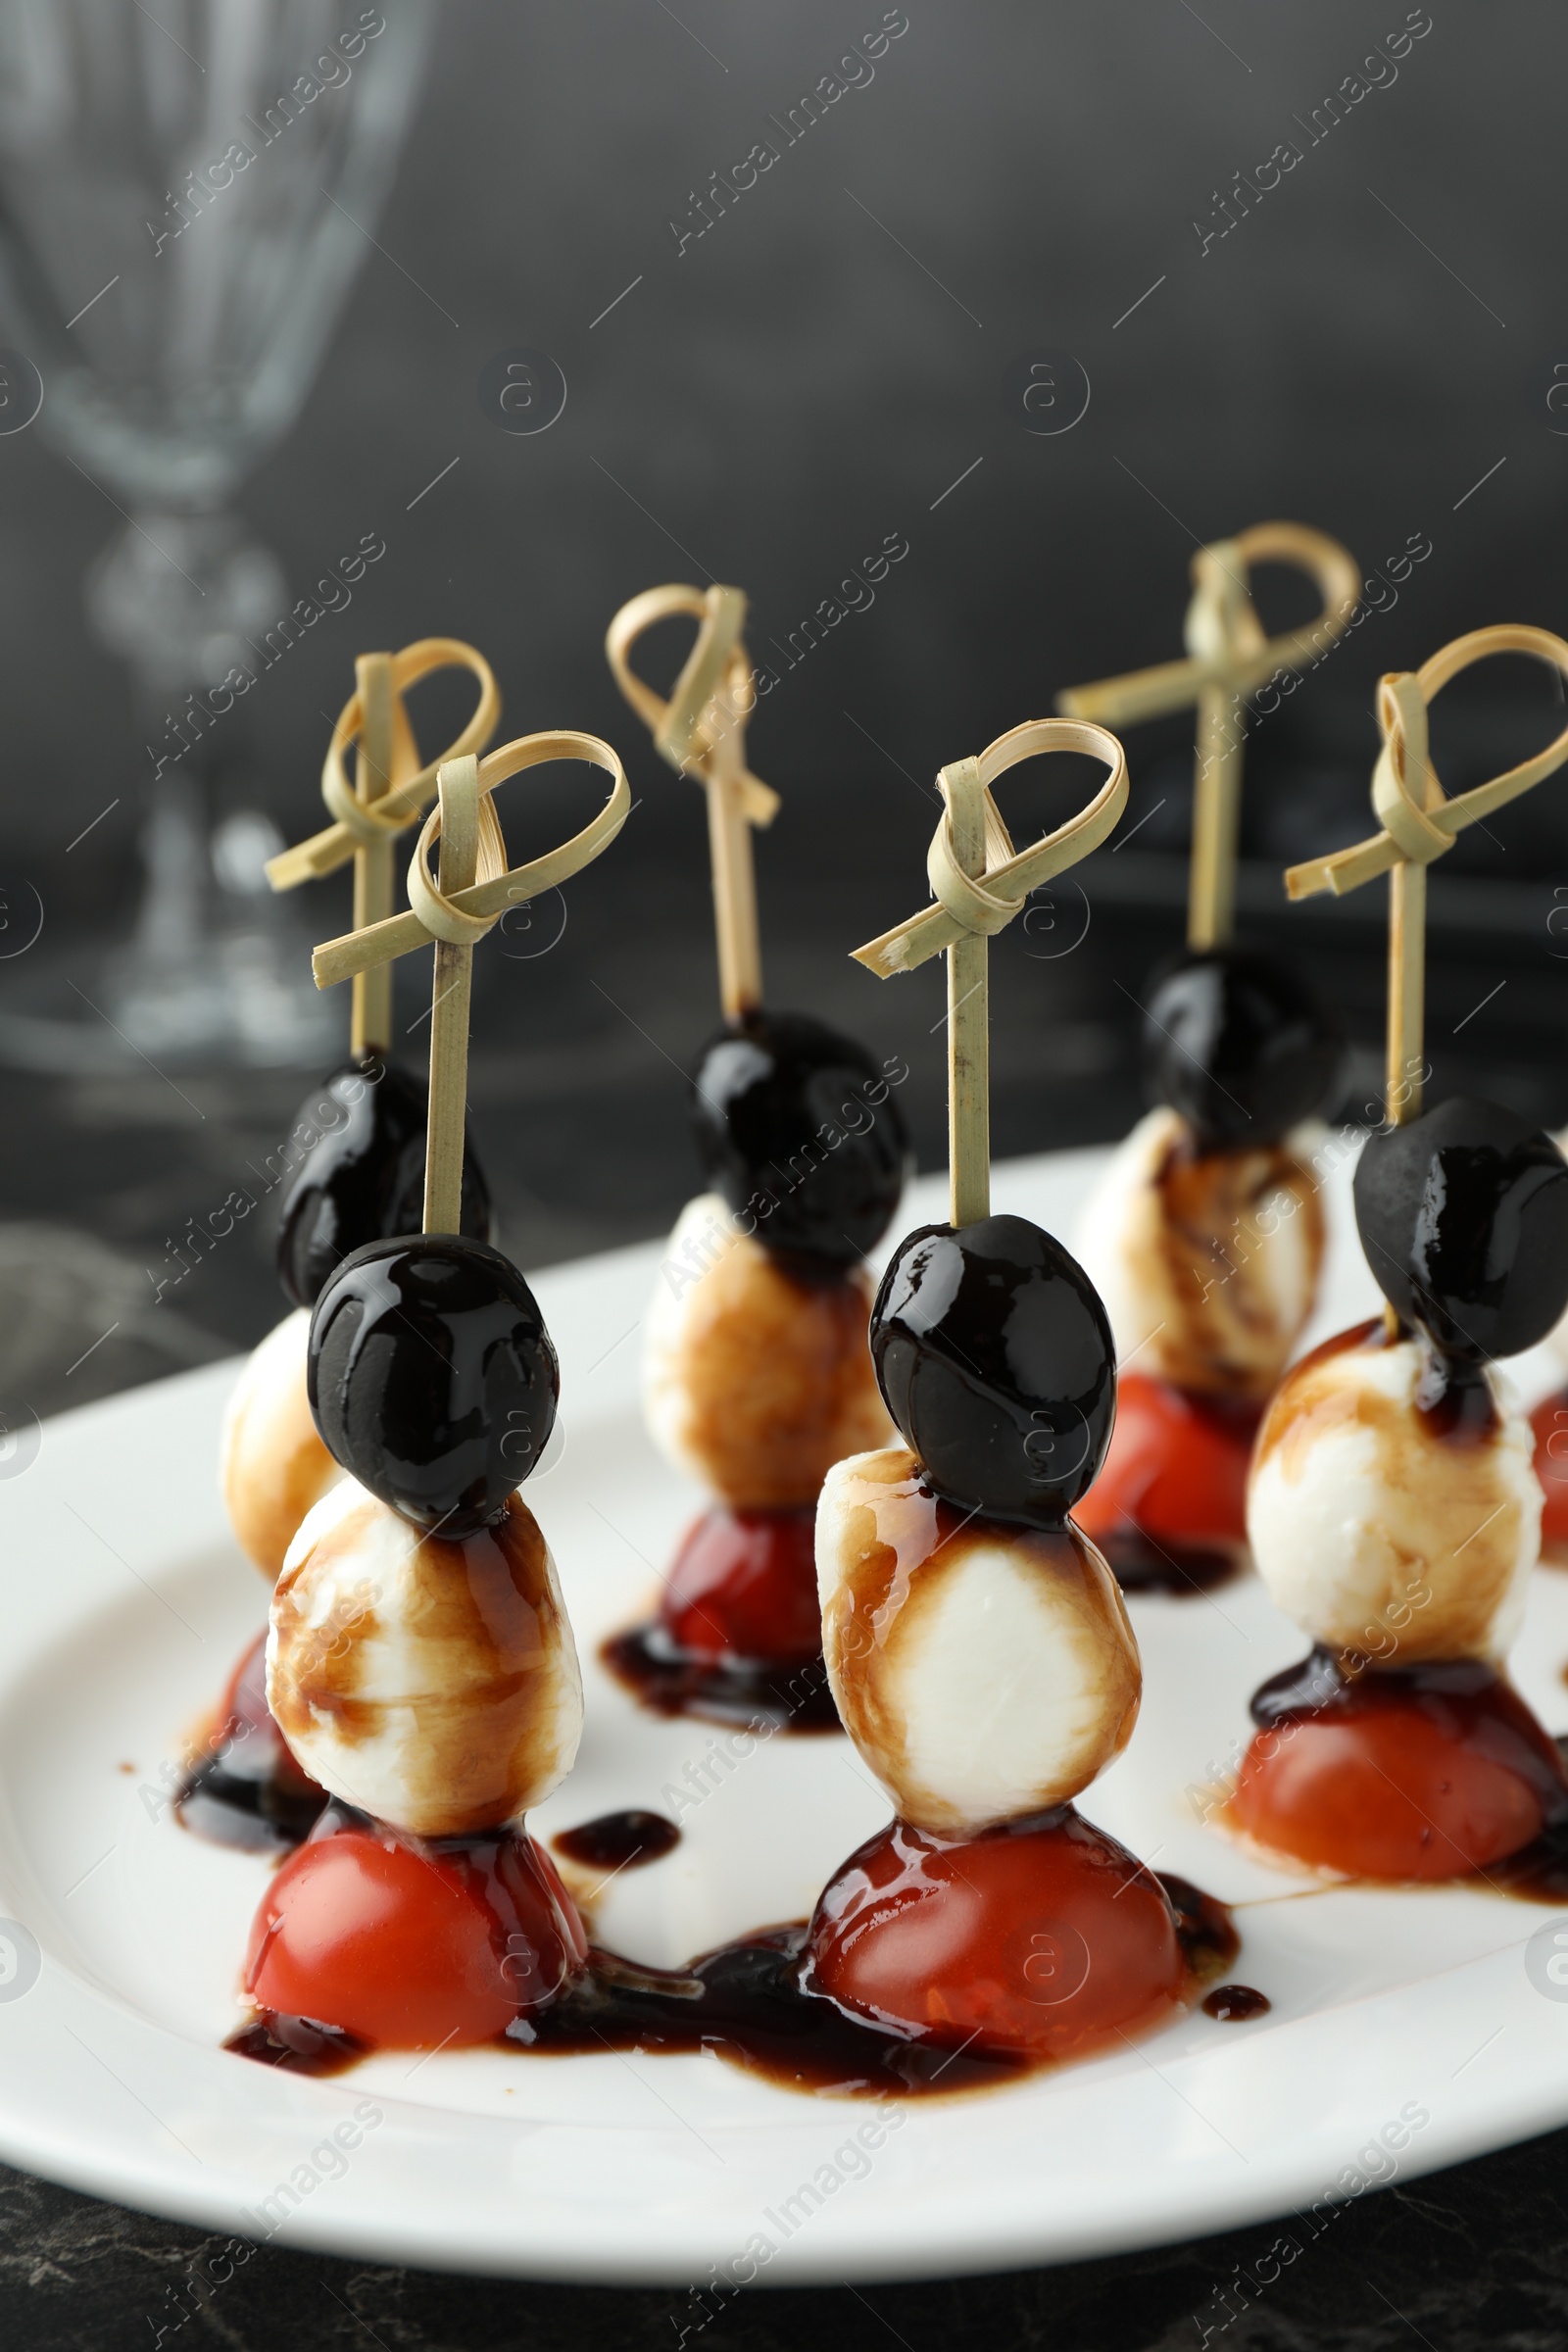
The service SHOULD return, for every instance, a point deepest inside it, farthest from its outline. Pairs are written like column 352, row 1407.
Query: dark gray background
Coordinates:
column 766, row 407
column 794, row 385
column 763, row 409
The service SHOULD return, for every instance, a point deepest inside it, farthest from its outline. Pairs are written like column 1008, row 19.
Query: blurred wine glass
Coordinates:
column 187, row 188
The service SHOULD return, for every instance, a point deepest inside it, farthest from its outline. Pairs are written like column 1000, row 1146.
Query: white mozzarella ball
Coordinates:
column 755, row 1381
column 1207, row 1265
column 272, row 1465
column 982, row 1670
column 1379, row 1533
column 432, row 1683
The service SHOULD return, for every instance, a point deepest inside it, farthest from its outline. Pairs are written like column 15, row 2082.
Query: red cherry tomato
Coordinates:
column 1549, row 1421
column 744, row 1586
column 260, row 1749
column 409, row 1947
column 1176, row 1471
column 1390, row 1787
column 1048, row 1938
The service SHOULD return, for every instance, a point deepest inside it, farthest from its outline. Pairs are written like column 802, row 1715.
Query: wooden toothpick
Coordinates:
column 702, row 732
column 1419, row 824
column 968, row 1010
column 1229, row 659
column 370, row 1022
column 457, row 818
column 473, row 892
column 1402, row 718
column 980, row 883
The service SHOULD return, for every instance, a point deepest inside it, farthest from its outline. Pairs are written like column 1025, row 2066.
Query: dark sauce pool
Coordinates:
column 1236, row 2004
column 743, row 2002
column 618, row 1841
column 741, row 1692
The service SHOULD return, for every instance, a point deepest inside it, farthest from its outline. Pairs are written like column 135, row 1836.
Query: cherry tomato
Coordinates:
column 1392, row 1787
column 1549, row 1421
column 1046, row 1938
column 744, row 1586
column 408, row 1947
column 1176, row 1471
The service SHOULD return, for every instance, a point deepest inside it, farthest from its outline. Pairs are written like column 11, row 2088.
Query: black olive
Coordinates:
column 798, row 1129
column 1463, row 1215
column 364, row 1176
column 431, row 1377
column 995, row 1357
column 1239, row 1046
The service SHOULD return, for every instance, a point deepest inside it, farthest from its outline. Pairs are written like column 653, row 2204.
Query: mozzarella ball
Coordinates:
column 757, row 1379
column 272, row 1462
column 432, row 1683
column 1207, row 1264
column 1379, row 1533
column 983, row 1670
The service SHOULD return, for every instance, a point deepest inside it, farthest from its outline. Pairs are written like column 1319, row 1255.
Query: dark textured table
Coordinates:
column 1470, row 2257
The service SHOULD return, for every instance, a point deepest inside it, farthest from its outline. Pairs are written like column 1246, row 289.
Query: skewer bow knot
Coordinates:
column 1404, row 783
column 981, row 882
column 1222, row 629
column 701, row 730
column 1419, row 821
column 462, row 807
column 466, row 817
column 367, row 823
column 1226, row 644
column 981, row 903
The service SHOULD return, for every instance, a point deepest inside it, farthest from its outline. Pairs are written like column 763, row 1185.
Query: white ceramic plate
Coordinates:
column 125, row 1603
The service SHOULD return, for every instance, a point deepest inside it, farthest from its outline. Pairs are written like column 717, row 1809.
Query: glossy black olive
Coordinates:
column 1239, row 1046
column 1463, row 1215
column 995, row 1357
column 431, row 1377
column 798, row 1129
column 363, row 1177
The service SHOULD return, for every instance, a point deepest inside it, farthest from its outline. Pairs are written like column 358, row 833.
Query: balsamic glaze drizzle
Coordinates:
column 745, row 2002
column 1236, row 2004
column 626, row 1840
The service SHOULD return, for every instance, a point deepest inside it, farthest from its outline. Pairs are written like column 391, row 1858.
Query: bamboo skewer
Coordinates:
column 700, row 731
column 473, row 892
column 1229, row 659
column 969, row 1011
column 980, row 882
column 458, row 807
column 1420, row 823
column 1224, row 619
column 1402, row 714
column 370, row 1022
column 729, row 846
